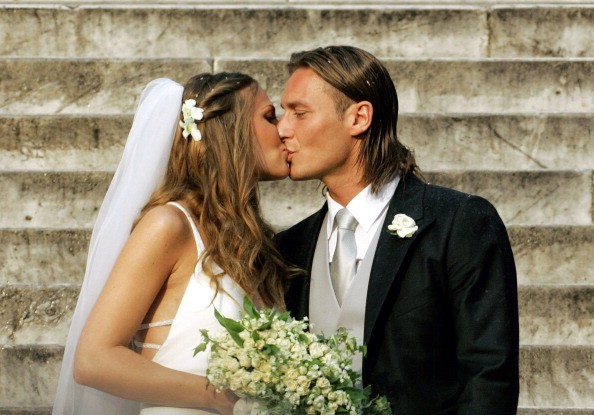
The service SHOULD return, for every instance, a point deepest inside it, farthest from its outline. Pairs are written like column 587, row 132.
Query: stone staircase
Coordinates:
column 497, row 99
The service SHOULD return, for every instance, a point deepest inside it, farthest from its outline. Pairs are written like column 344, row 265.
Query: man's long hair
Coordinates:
column 357, row 75
column 219, row 177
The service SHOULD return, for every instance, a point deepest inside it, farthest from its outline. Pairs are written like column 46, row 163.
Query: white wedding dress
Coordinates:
column 196, row 312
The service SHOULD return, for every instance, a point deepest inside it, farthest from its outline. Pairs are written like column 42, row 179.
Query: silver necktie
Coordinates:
column 344, row 261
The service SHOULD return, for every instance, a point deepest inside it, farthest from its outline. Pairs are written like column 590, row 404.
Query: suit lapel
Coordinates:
column 305, row 258
column 391, row 249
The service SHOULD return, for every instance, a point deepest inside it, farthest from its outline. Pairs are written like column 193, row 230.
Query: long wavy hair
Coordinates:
column 218, row 178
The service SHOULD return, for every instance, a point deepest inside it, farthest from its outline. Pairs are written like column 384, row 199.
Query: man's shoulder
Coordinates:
column 303, row 227
column 443, row 199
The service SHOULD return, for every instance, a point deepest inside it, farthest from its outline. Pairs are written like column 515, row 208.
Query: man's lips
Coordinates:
column 289, row 155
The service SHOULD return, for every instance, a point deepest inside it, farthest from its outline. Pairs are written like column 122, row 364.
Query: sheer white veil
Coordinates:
column 140, row 171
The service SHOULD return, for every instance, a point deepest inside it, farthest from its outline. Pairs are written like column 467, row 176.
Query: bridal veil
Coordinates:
column 139, row 172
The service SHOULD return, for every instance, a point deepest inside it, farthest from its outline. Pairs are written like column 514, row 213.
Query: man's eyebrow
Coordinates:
column 293, row 104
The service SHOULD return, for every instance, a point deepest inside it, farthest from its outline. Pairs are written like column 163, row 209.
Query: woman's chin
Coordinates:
column 272, row 176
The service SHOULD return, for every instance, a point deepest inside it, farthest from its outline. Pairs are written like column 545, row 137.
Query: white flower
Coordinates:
column 191, row 113
column 190, row 110
column 402, row 225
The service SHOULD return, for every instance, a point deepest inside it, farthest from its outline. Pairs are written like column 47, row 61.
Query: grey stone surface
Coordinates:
column 41, row 257
column 26, row 411
column 496, row 99
column 51, row 200
column 555, row 411
column 554, row 315
column 76, row 3
column 469, row 86
column 240, row 31
column 547, row 31
column 441, row 142
column 57, row 86
column 562, row 315
column 388, row 30
column 500, row 142
column 553, row 254
column 29, row 375
column 424, row 86
column 557, row 377
column 72, row 200
column 529, row 198
column 544, row 255
column 553, row 378
column 57, row 143
column 36, row 315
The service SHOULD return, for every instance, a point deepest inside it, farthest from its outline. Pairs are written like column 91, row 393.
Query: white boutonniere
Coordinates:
column 402, row 225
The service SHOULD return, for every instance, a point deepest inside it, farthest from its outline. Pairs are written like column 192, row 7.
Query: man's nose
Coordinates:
column 283, row 128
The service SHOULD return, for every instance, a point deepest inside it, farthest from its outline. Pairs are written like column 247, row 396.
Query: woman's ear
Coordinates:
column 362, row 114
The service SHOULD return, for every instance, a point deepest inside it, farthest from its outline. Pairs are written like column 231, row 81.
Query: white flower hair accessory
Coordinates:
column 402, row 225
column 191, row 114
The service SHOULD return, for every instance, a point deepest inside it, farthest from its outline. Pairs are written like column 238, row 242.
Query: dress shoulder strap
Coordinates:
column 199, row 243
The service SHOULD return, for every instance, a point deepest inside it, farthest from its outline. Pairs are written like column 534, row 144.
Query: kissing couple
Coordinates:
column 423, row 275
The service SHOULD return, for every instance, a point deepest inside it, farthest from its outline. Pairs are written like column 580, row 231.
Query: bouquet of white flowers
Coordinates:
column 272, row 358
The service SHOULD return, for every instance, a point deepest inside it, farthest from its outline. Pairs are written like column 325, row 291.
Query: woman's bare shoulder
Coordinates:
column 165, row 222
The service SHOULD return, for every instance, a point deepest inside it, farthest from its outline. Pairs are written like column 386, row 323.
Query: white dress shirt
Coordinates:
column 370, row 211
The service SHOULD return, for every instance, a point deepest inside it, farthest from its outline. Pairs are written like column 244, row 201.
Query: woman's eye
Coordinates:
column 272, row 118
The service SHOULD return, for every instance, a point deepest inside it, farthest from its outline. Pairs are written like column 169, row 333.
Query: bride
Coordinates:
column 178, row 234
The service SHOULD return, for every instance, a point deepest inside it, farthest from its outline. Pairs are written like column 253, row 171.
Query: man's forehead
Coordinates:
column 303, row 85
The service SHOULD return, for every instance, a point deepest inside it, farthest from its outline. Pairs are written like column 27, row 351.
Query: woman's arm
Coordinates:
column 154, row 252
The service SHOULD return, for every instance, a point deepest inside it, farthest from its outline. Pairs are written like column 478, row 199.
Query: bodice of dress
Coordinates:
column 195, row 312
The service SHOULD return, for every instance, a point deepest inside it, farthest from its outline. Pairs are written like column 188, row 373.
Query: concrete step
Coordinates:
column 506, row 86
column 42, row 257
column 529, row 198
column 557, row 379
column 553, row 315
column 347, row 3
column 500, row 142
column 388, row 30
column 553, row 254
column 556, row 315
column 72, row 199
column 425, row 86
column 52, row 200
column 490, row 142
column 554, row 411
column 544, row 255
column 62, row 142
column 29, row 375
column 36, row 314
column 521, row 411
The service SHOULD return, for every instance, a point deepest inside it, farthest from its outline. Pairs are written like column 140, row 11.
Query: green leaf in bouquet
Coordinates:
column 270, row 349
column 356, row 394
column 202, row 346
column 303, row 338
column 284, row 316
column 265, row 326
column 378, row 406
column 232, row 326
column 249, row 308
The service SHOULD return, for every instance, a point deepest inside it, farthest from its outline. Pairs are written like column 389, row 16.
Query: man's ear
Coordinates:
column 362, row 114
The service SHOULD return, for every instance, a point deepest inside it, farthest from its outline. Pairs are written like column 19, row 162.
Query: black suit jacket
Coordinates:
column 441, row 317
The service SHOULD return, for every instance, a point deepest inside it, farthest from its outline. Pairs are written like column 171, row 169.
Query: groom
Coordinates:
column 434, row 298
